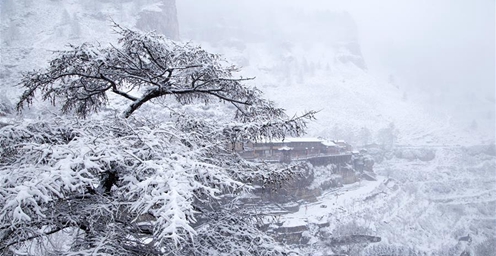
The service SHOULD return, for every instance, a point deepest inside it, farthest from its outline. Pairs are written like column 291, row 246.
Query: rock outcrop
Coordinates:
column 32, row 30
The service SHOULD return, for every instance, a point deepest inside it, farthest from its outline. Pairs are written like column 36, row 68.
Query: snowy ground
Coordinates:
column 331, row 202
column 427, row 205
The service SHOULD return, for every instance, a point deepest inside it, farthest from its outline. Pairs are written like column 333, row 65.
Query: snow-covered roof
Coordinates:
column 285, row 148
column 329, row 143
column 299, row 139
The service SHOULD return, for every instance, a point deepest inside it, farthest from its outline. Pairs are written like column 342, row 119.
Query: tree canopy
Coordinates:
column 147, row 185
column 149, row 63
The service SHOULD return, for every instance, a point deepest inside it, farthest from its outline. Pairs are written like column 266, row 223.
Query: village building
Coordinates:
column 291, row 149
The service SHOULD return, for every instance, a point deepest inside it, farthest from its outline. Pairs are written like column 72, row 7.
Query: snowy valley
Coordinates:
column 174, row 167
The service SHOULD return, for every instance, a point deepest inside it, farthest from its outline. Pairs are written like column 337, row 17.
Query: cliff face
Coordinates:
column 31, row 30
column 285, row 30
column 162, row 20
column 41, row 23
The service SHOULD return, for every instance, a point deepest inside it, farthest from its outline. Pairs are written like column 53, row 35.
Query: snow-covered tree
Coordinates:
column 387, row 136
column 393, row 250
column 364, row 136
column 140, row 183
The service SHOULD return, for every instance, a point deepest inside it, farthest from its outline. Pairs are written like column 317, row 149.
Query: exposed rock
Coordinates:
column 32, row 30
column 163, row 21
column 350, row 52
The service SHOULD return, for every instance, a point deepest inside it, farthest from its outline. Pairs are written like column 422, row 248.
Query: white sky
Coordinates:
column 451, row 42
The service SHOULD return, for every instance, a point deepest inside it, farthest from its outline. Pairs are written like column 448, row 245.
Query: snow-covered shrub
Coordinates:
column 324, row 177
column 423, row 154
column 485, row 248
column 392, row 250
column 351, row 228
column 346, row 238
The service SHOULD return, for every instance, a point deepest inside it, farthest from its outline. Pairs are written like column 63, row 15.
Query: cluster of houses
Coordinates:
column 292, row 148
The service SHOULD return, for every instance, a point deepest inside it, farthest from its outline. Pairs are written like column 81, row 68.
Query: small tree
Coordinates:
column 364, row 136
column 137, row 186
column 387, row 136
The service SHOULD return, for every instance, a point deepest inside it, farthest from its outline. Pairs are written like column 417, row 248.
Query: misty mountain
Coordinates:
column 313, row 59
column 281, row 28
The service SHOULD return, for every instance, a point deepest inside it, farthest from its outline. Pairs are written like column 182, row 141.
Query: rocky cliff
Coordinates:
column 31, row 30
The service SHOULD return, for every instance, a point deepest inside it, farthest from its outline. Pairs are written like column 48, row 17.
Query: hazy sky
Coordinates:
column 450, row 42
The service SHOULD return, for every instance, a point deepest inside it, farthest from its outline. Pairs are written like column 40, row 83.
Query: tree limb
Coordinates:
column 115, row 90
column 57, row 229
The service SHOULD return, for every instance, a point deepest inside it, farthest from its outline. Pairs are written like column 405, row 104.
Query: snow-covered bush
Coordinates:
column 344, row 238
column 423, row 154
column 393, row 250
column 485, row 248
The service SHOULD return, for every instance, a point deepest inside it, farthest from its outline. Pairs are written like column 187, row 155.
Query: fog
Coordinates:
column 440, row 45
column 444, row 51
column 181, row 158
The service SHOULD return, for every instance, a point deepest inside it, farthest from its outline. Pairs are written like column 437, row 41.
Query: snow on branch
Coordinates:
column 137, row 185
column 48, row 167
column 142, row 67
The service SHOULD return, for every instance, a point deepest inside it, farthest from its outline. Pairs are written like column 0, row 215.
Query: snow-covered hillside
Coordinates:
column 307, row 59
column 428, row 206
column 350, row 99
column 297, row 63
